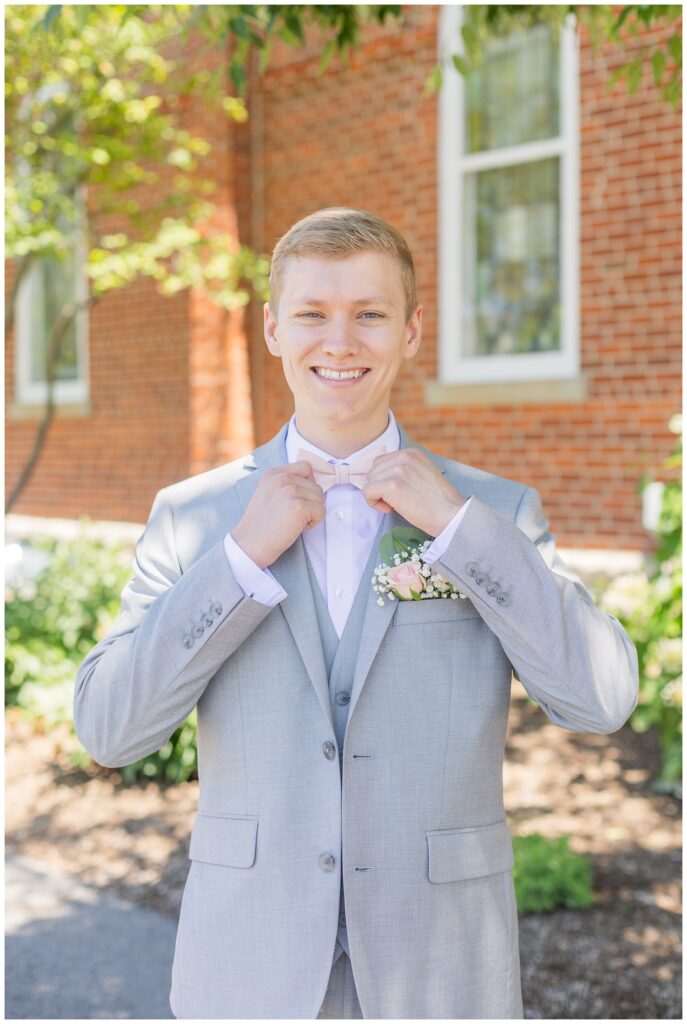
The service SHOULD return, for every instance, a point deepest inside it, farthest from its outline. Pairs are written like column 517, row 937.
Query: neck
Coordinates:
column 341, row 440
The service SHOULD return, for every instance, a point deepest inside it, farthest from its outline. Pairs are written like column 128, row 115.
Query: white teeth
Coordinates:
column 338, row 375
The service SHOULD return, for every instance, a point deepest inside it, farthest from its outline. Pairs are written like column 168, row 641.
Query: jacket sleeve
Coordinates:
column 574, row 660
column 174, row 632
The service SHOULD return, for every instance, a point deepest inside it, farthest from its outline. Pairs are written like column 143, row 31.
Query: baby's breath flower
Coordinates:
column 436, row 587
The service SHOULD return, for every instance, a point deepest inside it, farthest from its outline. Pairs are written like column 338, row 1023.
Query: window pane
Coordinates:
column 54, row 285
column 511, row 252
column 514, row 96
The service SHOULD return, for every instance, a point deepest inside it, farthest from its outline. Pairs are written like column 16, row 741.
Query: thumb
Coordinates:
column 379, row 504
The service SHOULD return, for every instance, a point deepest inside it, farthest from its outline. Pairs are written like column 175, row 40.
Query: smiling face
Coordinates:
column 342, row 316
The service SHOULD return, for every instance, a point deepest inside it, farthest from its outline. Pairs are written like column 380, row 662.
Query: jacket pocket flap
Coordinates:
column 436, row 609
column 220, row 839
column 459, row 853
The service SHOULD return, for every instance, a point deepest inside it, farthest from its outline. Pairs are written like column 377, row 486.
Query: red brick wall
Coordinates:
column 174, row 381
column 169, row 377
column 221, row 420
column 109, row 464
column 364, row 136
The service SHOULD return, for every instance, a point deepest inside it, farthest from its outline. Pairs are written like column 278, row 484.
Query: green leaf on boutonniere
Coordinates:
column 401, row 539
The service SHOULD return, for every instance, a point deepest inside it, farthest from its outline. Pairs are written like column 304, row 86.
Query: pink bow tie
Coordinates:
column 327, row 475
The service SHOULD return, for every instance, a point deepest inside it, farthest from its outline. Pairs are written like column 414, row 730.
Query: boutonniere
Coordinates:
column 403, row 574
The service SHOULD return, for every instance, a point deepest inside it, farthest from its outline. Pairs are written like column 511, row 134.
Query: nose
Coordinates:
column 339, row 338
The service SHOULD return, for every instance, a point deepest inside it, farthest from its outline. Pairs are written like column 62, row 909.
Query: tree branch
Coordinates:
column 57, row 337
column 23, row 264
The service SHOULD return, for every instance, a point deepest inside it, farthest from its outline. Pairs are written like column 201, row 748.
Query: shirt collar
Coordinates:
column 390, row 438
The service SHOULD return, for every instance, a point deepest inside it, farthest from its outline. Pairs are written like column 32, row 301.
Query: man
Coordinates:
column 350, row 856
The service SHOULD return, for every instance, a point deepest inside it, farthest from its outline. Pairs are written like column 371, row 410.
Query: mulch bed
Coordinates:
column 620, row 958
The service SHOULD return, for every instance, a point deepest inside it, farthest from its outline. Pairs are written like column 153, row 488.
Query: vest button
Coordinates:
column 329, row 750
column 343, row 697
column 327, row 861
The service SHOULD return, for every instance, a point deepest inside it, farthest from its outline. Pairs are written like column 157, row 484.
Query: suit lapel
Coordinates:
column 378, row 617
column 298, row 607
column 291, row 571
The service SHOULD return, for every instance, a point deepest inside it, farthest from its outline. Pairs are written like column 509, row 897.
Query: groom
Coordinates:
column 350, row 856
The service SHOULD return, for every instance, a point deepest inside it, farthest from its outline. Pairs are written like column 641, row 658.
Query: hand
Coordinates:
column 286, row 501
column 408, row 482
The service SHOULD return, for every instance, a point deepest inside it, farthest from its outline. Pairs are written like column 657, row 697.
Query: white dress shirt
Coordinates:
column 339, row 546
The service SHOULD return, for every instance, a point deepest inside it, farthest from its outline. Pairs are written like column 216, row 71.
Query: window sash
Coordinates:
column 454, row 165
column 31, row 389
column 30, row 311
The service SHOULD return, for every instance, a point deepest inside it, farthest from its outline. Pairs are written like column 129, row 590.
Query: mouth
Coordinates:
column 340, row 378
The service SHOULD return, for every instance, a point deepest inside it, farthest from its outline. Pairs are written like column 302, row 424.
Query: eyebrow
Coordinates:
column 370, row 300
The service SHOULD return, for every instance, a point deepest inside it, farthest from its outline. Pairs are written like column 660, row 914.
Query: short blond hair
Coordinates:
column 337, row 232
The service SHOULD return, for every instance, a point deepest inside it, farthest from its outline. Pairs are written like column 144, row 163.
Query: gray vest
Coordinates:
column 340, row 656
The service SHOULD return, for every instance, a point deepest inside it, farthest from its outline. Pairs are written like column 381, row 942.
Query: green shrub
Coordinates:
column 547, row 874
column 176, row 761
column 650, row 608
column 53, row 620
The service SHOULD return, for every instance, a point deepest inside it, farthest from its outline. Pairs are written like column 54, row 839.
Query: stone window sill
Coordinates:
column 508, row 393
column 66, row 410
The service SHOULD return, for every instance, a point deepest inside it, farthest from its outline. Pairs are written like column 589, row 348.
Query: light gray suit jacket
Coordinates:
column 416, row 821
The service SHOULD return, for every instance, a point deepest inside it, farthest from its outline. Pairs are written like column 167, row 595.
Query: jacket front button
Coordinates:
column 329, row 750
column 343, row 697
column 327, row 861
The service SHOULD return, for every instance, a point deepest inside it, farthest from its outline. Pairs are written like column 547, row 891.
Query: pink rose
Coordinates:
column 405, row 577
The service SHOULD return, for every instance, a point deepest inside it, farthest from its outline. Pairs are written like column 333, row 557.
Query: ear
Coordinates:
column 270, row 330
column 413, row 334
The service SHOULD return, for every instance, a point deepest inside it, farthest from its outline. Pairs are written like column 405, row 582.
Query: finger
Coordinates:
column 302, row 468
column 380, row 505
column 314, row 514
column 373, row 495
column 305, row 489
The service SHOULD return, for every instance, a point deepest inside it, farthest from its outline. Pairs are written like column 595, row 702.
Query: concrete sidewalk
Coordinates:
column 74, row 952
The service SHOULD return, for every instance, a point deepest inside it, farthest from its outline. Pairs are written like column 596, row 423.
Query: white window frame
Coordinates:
column 455, row 368
column 65, row 392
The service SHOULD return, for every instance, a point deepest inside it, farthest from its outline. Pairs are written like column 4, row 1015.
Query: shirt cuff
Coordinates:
column 442, row 541
column 257, row 583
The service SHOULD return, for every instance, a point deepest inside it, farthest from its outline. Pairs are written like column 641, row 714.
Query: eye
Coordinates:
column 308, row 314
column 372, row 314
